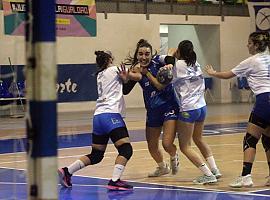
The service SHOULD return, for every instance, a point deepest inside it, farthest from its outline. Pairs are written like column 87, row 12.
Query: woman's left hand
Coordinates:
column 122, row 72
column 170, row 66
column 209, row 70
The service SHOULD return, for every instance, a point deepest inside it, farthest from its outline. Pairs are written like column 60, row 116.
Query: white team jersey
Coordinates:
column 257, row 70
column 110, row 94
column 188, row 85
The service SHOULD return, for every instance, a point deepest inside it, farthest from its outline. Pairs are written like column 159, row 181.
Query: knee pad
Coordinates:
column 249, row 141
column 125, row 150
column 96, row 156
column 266, row 142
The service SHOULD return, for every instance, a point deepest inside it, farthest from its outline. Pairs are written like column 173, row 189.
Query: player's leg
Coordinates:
column 169, row 132
column 120, row 138
column 152, row 138
column 202, row 145
column 185, row 129
column 97, row 153
column 266, row 145
column 256, row 127
column 153, row 130
column 259, row 121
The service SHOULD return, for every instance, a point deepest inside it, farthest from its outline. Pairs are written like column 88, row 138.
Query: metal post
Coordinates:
column 41, row 100
column 221, row 10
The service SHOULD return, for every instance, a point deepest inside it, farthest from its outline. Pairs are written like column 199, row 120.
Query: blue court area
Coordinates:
column 13, row 182
column 95, row 189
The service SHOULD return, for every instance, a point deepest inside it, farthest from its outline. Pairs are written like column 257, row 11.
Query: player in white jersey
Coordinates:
column 188, row 83
column 257, row 70
column 108, row 124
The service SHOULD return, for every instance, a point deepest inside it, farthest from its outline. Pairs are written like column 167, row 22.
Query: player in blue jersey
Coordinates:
column 189, row 90
column 108, row 124
column 257, row 70
column 161, row 106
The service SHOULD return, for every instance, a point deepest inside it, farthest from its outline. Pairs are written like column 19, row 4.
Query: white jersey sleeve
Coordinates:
column 110, row 94
column 257, row 70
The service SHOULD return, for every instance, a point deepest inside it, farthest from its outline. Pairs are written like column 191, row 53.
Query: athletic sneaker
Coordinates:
column 119, row 185
column 216, row 173
column 268, row 181
column 64, row 177
column 204, row 179
column 242, row 181
column 160, row 171
column 175, row 164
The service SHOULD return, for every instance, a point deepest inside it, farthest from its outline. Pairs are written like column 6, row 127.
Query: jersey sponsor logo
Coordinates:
column 199, row 93
column 115, row 121
column 153, row 93
column 171, row 112
column 185, row 115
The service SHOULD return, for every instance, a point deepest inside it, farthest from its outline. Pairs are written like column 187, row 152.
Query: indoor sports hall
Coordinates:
column 48, row 95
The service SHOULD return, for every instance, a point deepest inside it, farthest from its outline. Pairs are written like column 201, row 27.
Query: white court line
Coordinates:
column 109, row 152
column 11, row 183
column 176, row 188
column 195, row 190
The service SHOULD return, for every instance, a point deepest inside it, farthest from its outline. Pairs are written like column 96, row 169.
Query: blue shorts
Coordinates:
column 192, row 116
column 104, row 123
column 262, row 106
column 156, row 117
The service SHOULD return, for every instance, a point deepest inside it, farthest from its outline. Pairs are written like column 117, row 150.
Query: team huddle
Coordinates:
column 173, row 90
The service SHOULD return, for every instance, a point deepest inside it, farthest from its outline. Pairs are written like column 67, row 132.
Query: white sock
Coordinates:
column 162, row 164
column 117, row 172
column 205, row 170
column 211, row 161
column 77, row 165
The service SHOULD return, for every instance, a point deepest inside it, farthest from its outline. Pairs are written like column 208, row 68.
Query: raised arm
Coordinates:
column 222, row 75
column 134, row 75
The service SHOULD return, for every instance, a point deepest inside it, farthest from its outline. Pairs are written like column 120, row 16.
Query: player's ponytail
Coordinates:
column 102, row 60
column 261, row 39
column 186, row 52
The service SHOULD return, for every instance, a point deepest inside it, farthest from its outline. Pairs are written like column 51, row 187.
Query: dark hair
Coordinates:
column 186, row 52
column 102, row 60
column 131, row 60
column 261, row 39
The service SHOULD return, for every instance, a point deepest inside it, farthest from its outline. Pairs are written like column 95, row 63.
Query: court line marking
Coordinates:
column 195, row 190
column 137, row 142
column 183, row 188
column 109, row 152
column 113, row 152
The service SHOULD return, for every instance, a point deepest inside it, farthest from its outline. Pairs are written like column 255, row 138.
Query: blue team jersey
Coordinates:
column 154, row 98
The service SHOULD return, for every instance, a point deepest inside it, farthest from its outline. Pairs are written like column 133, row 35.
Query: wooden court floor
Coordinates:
column 226, row 144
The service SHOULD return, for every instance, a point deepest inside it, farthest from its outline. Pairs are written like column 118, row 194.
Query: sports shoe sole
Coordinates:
column 152, row 175
column 109, row 187
column 206, row 183
column 241, row 186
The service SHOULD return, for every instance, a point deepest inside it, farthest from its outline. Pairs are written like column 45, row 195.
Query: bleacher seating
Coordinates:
column 4, row 93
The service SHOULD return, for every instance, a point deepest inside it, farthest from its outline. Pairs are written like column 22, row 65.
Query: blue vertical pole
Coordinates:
column 41, row 95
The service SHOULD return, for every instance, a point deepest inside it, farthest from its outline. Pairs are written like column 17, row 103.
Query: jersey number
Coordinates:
column 99, row 88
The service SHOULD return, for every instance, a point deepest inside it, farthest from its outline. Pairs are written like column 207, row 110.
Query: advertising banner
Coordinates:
column 76, row 18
